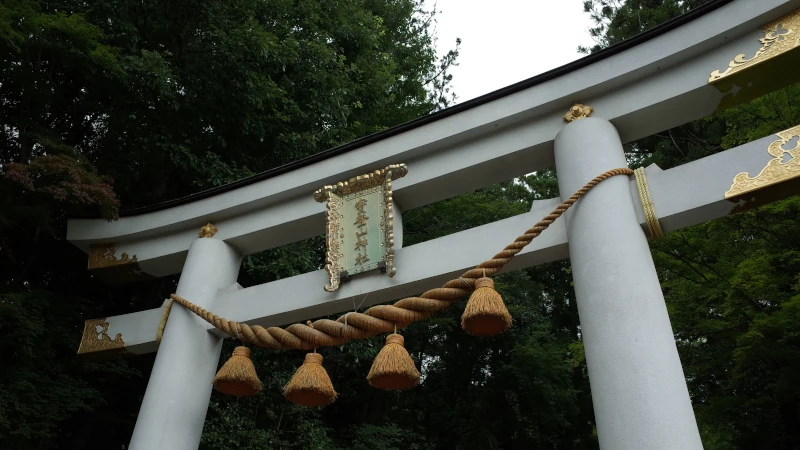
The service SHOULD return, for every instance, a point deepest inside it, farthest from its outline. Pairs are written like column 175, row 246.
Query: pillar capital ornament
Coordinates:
column 209, row 230
column 577, row 112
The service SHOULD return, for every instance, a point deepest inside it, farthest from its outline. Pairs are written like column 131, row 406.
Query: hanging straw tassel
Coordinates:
column 393, row 368
column 310, row 385
column 238, row 375
column 485, row 314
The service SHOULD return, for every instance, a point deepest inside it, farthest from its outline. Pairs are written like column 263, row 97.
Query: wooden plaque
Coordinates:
column 359, row 231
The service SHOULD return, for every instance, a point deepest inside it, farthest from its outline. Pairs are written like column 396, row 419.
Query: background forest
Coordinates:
column 131, row 103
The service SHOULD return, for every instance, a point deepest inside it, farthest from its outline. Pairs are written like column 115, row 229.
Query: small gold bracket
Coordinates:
column 104, row 255
column 104, row 263
column 208, row 230
column 780, row 37
column 784, row 166
column 577, row 112
column 96, row 338
column 771, row 67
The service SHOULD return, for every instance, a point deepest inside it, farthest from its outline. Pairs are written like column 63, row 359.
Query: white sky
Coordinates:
column 505, row 41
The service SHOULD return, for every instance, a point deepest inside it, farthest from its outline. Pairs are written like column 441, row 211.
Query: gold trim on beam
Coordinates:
column 96, row 338
column 780, row 37
column 334, row 237
column 361, row 182
column 388, row 223
column 784, row 166
column 104, row 263
column 104, row 255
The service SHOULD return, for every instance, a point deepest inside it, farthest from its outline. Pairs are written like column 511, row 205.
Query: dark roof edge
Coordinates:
column 500, row 93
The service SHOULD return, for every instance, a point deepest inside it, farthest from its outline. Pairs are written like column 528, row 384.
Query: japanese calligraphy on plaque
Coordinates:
column 359, row 231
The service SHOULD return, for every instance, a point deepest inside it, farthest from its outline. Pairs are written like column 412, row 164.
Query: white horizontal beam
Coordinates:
column 654, row 86
column 420, row 266
column 695, row 192
column 683, row 196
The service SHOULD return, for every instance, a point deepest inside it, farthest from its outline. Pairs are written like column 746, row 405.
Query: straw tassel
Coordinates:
column 310, row 385
column 393, row 368
column 238, row 375
column 485, row 314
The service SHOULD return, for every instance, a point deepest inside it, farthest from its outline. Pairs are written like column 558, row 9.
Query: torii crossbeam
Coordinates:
column 681, row 71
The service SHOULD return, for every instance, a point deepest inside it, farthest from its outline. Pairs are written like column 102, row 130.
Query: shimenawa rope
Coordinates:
column 163, row 323
column 385, row 318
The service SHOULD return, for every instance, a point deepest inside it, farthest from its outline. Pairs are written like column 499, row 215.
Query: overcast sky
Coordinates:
column 505, row 41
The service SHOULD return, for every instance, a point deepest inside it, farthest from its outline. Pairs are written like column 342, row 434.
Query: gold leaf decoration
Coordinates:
column 784, row 166
column 104, row 255
column 780, row 37
column 361, row 182
column 96, row 338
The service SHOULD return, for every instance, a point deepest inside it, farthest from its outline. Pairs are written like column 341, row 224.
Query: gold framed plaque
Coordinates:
column 359, row 230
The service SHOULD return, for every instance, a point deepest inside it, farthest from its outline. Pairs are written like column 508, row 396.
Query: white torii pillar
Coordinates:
column 638, row 387
column 176, row 401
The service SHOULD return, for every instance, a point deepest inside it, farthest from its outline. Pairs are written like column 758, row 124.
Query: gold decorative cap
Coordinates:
column 578, row 111
column 209, row 230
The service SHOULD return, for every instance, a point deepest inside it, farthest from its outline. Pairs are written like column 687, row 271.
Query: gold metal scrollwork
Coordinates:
column 361, row 182
column 96, row 338
column 335, row 241
column 104, row 255
column 388, row 223
column 784, row 166
column 780, row 37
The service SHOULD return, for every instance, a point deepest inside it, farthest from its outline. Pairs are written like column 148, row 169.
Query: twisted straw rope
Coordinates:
column 163, row 324
column 653, row 225
column 384, row 318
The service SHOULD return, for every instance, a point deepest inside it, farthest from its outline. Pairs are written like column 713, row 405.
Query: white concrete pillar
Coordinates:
column 174, row 407
column 638, row 388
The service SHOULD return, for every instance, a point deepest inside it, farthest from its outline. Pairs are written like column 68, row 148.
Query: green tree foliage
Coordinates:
column 132, row 103
column 732, row 289
column 137, row 102
column 617, row 20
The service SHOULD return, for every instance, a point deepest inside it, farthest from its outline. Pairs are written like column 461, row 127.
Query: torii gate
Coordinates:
column 715, row 57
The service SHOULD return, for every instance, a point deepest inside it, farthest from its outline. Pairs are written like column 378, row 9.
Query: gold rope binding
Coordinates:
column 163, row 323
column 385, row 318
column 653, row 226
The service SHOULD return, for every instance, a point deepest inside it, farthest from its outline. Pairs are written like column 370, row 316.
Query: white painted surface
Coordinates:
column 695, row 192
column 397, row 226
column 683, row 196
column 638, row 388
column 419, row 267
column 643, row 90
column 174, row 407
